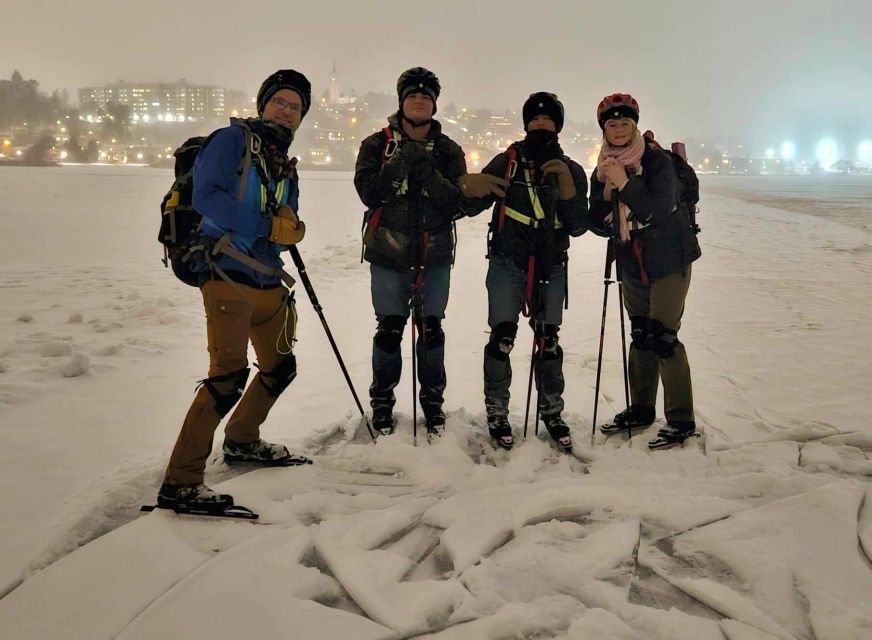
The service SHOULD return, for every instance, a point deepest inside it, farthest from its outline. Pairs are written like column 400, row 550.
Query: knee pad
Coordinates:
column 502, row 340
column 663, row 340
column 389, row 334
column 280, row 377
column 434, row 336
column 224, row 401
column 551, row 349
column 639, row 333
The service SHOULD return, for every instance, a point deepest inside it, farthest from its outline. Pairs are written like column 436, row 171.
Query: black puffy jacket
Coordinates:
column 518, row 241
column 667, row 244
column 415, row 203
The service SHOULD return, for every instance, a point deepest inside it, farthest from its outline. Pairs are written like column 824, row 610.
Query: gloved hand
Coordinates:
column 614, row 172
column 287, row 231
column 412, row 152
column 565, row 184
column 286, row 211
column 478, row 185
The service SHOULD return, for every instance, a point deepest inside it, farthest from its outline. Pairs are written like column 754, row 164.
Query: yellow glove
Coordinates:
column 565, row 184
column 285, row 211
column 287, row 231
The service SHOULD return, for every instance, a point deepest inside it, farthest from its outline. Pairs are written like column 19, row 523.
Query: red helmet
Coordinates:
column 617, row 105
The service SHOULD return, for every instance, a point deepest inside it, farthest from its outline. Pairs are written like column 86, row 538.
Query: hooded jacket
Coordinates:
column 517, row 241
column 410, row 201
column 667, row 243
column 216, row 182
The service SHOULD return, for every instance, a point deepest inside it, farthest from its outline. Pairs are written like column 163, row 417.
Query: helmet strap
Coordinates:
column 417, row 123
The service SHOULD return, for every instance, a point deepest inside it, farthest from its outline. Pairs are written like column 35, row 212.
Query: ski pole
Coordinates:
column 618, row 280
column 417, row 313
column 310, row 291
column 414, row 386
column 530, row 381
column 540, row 347
column 607, row 275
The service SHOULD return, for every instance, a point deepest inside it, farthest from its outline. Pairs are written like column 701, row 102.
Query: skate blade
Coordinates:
column 236, row 512
column 608, row 430
column 290, row 461
column 656, row 445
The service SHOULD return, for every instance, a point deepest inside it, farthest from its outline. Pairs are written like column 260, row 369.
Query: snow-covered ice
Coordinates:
column 761, row 529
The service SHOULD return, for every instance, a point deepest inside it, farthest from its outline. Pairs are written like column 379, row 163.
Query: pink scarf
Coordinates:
column 630, row 156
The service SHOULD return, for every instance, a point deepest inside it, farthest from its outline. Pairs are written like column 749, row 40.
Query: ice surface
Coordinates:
column 766, row 532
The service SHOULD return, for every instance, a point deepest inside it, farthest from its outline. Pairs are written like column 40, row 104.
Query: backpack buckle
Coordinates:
column 513, row 167
column 255, row 144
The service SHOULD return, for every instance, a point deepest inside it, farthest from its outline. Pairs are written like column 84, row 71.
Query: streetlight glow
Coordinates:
column 864, row 153
column 826, row 153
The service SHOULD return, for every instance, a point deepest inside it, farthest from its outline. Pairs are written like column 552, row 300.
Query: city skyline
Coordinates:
column 747, row 69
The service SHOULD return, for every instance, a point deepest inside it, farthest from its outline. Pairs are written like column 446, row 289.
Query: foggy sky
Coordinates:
column 764, row 69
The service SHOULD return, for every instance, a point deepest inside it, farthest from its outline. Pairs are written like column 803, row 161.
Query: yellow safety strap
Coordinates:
column 264, row 197
column 538, row 212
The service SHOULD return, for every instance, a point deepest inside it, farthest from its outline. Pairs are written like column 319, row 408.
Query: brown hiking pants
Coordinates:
column 266, row 317
column 663, row 301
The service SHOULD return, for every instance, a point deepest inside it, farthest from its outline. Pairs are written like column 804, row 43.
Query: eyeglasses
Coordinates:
column 281, row 103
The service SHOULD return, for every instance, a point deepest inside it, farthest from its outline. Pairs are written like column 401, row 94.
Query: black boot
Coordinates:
column 672, row 434
column 559, row 431
column 383, row 421
column 636, row 417
column 434, row 421
column 501, row 431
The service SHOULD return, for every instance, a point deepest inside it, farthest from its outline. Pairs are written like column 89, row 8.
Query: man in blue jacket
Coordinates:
column 249, row 217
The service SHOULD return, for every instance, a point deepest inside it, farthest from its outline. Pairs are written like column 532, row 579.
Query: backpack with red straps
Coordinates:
column 688, row 182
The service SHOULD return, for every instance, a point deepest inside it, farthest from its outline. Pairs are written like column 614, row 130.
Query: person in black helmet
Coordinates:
column 408, row 176
column 545, row 204
column 243, row 292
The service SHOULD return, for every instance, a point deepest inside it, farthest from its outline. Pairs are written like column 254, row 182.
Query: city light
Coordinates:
column 770, row 152
column 788, row 150
column 864, row 153
column 827, row 153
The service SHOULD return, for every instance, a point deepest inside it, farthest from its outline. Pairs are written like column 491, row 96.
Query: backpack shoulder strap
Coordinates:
column 511, row 166
column 252, row 149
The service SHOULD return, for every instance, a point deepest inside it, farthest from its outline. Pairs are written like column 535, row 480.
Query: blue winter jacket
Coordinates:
column 216, row 184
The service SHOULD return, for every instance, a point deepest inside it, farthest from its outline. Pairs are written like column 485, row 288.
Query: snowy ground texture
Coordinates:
column 761, row 529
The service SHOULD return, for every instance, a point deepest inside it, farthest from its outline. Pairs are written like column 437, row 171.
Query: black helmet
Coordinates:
column 546, row 103
column 418, row 80
column 285, row 79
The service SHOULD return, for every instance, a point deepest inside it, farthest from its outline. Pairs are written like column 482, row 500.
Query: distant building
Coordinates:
column 238, row 104
column 333, row 95
column 169, row 102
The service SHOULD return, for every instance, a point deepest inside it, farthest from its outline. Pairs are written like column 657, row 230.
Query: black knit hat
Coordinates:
column 543, row 103
column 418, row 80
column 285, row 79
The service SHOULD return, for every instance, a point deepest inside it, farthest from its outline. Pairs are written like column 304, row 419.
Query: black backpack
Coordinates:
column 180, row 223
column 688, row 184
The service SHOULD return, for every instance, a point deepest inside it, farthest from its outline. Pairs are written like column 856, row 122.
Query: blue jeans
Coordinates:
column 506, row 288
column 392, row 299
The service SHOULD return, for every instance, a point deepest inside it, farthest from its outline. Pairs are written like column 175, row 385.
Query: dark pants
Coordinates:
column 506, row 288
column 661, row 356
column 391, row 300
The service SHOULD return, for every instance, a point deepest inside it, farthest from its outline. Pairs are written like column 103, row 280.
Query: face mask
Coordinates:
column 541, row 145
